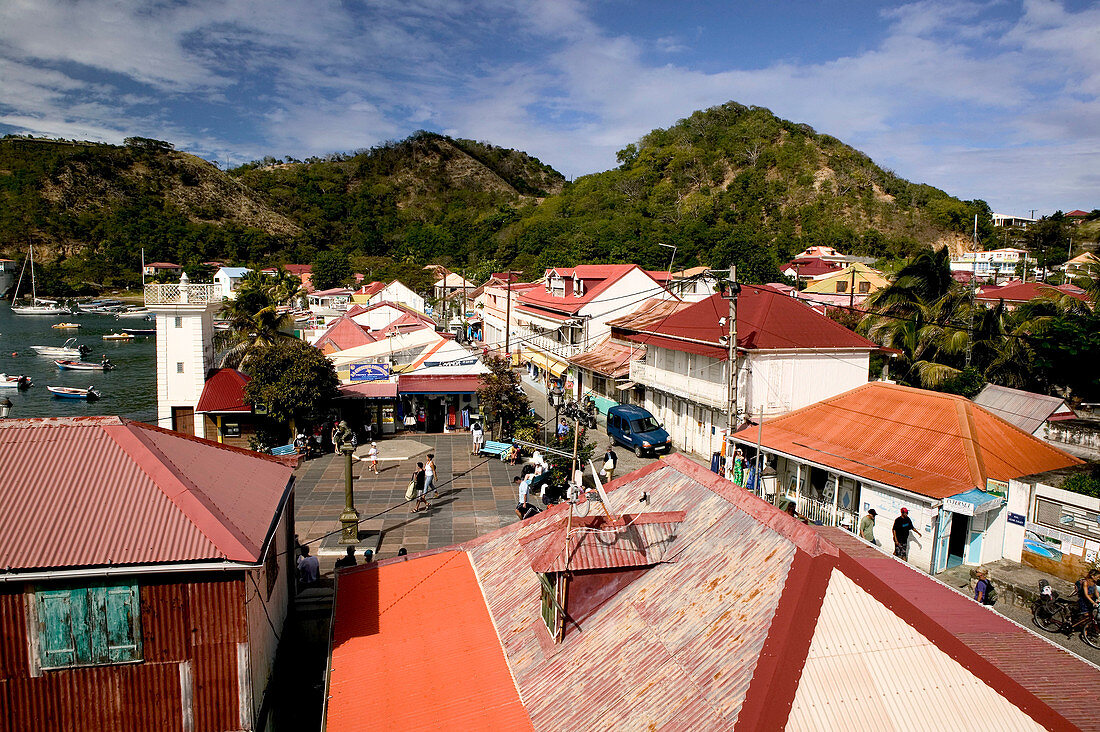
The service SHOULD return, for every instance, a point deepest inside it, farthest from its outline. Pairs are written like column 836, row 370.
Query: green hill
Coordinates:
column 728, row 184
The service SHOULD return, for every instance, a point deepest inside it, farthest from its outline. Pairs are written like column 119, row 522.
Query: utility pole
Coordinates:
column 732, row 290
column 852, row 288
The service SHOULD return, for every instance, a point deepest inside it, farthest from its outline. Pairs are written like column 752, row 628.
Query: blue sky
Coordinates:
column 993, row 100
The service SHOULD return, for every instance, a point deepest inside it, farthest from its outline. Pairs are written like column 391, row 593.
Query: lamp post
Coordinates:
column 349, row 519
column 5, row 407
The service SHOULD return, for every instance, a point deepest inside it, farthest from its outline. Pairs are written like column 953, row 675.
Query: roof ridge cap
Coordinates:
column 236, row 544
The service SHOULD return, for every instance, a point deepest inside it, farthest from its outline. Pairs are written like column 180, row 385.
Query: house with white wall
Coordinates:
column 228, row 280
column 887, row 447
column 788, row 356
column 395, row 291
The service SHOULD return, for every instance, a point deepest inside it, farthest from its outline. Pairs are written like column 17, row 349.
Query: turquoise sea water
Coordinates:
column 128, row 391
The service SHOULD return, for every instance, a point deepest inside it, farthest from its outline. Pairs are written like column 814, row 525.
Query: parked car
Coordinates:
column 637, row 429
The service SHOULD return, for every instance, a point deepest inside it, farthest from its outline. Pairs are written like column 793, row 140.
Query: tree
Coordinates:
column 502, row 396
column 291, row 378
column 255, row 321
column 330, row 269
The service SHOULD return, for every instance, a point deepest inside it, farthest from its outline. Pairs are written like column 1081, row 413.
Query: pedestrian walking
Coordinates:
column 429, row 476
column 523, row 491
column 867, row 526
column 902, row 526
column 610, row 460
column 372, row 455
column 418, row 485
column 478, row 436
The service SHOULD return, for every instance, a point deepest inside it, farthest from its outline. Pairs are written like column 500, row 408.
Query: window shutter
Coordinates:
column 123, row 622
column 57, row 644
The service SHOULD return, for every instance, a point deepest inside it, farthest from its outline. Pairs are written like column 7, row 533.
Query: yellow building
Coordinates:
column 856, row 278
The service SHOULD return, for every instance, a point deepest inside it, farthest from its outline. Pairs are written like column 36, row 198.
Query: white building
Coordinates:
column 395, row 291
column 789, row 356
column 185, row 350
column 994, row 264
column 228, row 279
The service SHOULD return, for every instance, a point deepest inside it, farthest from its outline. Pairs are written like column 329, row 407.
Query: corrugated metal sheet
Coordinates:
column 609, row 358
column 910, row 438
column 224, row 392
column 881, row 673
column 216, row 704
column 650, row 313
column 442, row 662
column 129, row 493
column 439, row 384
column 100, row 699
column 217, row 612
column 13, row 633
column 596, row 542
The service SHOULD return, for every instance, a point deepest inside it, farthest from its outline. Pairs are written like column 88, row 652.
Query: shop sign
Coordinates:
column 996, row 487
column 370, row 372
column 455, row 362
column 963, row 508
column 1016, row 518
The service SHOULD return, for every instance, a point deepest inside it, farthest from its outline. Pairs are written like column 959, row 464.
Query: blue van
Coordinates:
column 637, row 429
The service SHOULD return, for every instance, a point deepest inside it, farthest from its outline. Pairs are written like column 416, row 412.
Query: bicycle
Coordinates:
column 1056, row 614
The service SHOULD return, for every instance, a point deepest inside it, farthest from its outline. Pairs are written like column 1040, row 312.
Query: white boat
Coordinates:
column 68, row 365
column 37, row 306
column 142, row 313
column 118, row 337
column 14, row 381
column 69, row 350
column 68, row 392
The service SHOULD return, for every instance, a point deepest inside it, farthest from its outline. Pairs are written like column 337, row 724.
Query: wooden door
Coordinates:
column 183, row 420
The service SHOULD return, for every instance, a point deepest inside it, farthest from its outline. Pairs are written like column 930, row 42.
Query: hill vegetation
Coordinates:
column 728, row 184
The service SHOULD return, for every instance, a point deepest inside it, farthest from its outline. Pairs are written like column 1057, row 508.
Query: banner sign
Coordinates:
column 370, row 372
column 456, row 362
column 960, row 507
column 1016, row 518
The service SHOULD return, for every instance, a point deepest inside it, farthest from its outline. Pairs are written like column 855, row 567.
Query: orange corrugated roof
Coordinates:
column 422, row 625
column 922, row 441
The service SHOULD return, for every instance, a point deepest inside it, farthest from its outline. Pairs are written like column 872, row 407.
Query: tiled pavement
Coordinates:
column 475, row 496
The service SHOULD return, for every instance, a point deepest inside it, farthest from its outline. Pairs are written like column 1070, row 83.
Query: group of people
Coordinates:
column 423, row 483
column 903, row 526
column 309, row 568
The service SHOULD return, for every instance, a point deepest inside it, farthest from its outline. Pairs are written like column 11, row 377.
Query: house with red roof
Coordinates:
column 569, row 310
column 155, row 268
column 886, row 447
column 227, row 416
column 809, row 268
column 788, row 356
column 396, row 292
column 145, row 577
column 701, row 607
column 304, row 272
column 1016, row 293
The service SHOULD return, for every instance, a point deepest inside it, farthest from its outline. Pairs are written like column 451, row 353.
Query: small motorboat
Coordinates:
column 65, row 326
column 13, row 381
column 118, row 337
column 66, row 365
column 68, row 392
column 135, row 312
column 140, row 331
column 70, row 349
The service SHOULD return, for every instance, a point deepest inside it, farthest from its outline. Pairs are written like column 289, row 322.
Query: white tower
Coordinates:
column 185, row 349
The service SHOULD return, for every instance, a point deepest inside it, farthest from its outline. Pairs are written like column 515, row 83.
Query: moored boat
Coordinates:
column 68, row 392
column 37, row 306
column 136, row 312
column 69, row 365
column 118, row 337
column 15, row 381
column 71, row 349
column 65, row 326
column 140, row 331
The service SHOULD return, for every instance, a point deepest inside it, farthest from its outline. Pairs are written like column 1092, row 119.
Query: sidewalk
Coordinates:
column 1016, row 584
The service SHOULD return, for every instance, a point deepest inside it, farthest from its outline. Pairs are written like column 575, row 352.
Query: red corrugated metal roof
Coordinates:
column 224, row 392
column 1025, row 291
column 811, row 267
column 434, row 663
column 766, row 319
column 437, row 384
column 927, row 442
column 372, row 289
column 599, row 542
column 122, row 492
column 609, row 358
column 345, row 333
column 596, row 279
column 716, row 639
column 651, row 313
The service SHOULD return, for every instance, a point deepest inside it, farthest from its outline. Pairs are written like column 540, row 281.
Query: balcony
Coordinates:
column 182, row 293
column 704, row 392
column 545, row 343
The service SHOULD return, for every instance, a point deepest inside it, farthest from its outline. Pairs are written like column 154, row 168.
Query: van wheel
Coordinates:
column 639, row 451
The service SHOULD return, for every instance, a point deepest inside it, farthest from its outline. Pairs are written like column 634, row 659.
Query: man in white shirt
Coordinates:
column 309, row 569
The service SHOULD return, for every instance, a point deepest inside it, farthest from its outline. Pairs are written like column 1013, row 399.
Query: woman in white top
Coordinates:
column 479, row 437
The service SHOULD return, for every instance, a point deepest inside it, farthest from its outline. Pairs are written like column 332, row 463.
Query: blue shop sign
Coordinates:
column 1015, row 518
column 370, row 372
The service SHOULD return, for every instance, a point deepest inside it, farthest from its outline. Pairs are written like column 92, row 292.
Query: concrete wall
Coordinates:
column 185, row 352
column 263, row 612
column 781, row 381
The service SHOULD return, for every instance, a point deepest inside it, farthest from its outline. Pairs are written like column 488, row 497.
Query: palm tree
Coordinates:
column 254, row 321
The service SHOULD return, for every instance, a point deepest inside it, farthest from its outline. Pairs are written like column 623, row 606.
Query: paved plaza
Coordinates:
column 476, row 496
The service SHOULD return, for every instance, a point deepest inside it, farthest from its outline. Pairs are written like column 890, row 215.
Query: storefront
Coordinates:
column 438, row 402
column 965, row 525
column 370, row 407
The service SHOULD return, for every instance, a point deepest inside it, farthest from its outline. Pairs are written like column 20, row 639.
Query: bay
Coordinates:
column 128, row 391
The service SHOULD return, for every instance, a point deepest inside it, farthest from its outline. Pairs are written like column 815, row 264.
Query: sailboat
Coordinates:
column 37, row 306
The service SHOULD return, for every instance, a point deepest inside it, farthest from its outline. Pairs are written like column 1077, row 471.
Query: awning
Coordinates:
column 626, row 385
column 440, row 384
column 557, row 368
column 369, row 390
column 972, row 502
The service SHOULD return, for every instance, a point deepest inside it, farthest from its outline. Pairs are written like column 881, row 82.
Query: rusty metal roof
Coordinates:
column 609, row 358
column 600, row 542
column 93, row 491
column 725, row 631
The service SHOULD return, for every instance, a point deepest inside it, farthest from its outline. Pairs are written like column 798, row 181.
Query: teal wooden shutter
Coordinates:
column 123, row 624
column 59, row 637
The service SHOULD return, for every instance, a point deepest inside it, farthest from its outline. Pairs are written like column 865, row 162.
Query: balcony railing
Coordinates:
column 698, row 390
column 546, row 343
column 824, row 513
column 178, row 293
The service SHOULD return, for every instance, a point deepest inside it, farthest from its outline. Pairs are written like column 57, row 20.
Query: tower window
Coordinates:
column 179, row 322
column 179, row 367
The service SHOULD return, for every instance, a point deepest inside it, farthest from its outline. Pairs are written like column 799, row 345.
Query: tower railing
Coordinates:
column 181, row 293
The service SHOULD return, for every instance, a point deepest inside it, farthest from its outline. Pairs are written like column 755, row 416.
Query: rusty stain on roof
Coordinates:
column 610, row 358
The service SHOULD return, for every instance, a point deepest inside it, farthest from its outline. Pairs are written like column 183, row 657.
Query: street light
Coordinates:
column 5, row 407
column 349, row 519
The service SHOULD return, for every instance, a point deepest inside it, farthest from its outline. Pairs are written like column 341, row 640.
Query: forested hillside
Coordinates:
column 728, row 184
